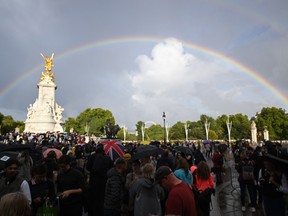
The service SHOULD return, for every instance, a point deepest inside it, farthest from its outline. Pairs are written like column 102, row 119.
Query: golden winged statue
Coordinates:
column 48, row 66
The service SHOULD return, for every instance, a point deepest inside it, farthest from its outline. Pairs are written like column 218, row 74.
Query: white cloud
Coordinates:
column 168, row 78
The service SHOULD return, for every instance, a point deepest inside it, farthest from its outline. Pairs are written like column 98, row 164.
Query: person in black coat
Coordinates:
column 70, row 186
column 98, row 165
column 115, row 188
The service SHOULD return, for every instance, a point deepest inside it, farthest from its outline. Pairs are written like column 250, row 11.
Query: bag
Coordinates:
column 203, row 199
column 248, row 172
column 47, row 211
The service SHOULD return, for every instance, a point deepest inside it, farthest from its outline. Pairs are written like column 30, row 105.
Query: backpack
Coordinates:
column 202, row 198
column 248, row 172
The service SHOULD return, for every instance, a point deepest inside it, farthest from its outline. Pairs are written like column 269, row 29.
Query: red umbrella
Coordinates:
column 57, row 152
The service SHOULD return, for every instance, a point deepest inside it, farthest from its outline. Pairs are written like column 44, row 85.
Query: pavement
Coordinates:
column 226, row 201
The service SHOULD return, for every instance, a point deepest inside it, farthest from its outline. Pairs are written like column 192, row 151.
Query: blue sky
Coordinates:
column 137, row 81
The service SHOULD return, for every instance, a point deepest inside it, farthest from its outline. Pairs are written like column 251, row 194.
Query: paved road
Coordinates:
column 226, row 201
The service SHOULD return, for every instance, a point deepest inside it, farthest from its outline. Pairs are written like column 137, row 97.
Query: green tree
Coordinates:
column 91, row 120
column 240, row 126
column 1, row 117
column 213, row 135
column 177, row 131
column 8, row 124
column 197, row 130
column 222, row 131
column 20, row 125
column 154, row 132
column 275, row 119
column 139, row 126
column 71, row 123
column 213, row 126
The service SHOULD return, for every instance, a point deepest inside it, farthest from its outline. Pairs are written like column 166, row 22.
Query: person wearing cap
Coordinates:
column 180, row 200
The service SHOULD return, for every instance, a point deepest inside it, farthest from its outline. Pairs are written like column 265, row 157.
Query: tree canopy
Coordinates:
column 90, row 121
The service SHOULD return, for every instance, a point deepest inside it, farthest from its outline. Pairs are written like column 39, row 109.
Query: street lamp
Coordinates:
column 164, row 124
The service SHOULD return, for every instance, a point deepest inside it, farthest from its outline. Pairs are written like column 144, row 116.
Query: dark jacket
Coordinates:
column 10, row 186
column 114, row 191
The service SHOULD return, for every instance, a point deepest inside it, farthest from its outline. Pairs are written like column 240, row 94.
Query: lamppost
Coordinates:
column 164, row 124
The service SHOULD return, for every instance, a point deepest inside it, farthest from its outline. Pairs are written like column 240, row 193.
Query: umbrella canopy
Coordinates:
column 4, row 156
column 113, row 148
column 146, row 151
column 57, row 151
column 184, row 149
column 14, row 147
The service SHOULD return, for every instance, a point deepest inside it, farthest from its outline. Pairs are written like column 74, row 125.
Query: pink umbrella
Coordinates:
column 57, row 152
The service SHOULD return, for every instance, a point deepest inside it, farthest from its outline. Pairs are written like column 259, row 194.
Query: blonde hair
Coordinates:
column 14, row 204
column 148, row 170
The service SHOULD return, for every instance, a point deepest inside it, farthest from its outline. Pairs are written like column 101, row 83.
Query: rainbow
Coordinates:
column 112, row 41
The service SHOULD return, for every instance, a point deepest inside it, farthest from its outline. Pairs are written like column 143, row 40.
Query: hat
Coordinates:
column 127, row 156
column 161, row 172
column 193, row 168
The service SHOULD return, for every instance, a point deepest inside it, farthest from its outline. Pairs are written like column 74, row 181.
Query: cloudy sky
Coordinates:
column 140, row 58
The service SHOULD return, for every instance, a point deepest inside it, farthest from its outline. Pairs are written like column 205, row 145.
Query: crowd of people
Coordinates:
column 173, row 181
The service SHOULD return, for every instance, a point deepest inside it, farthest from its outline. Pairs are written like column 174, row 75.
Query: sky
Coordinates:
column 139, row 59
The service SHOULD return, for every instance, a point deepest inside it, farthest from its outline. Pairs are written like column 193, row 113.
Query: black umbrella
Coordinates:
column 146, row 151
column 4, row 156
column 14, row 147
column 183, row 149
column 281, row 163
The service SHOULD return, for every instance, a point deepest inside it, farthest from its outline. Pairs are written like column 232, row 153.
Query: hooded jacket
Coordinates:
column 145, row 197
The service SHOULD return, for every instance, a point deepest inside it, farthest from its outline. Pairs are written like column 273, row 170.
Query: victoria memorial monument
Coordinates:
column 45, row 114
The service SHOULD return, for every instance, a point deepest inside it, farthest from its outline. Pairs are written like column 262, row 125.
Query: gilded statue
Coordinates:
column 48, row 66
column 48, row 62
